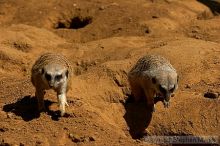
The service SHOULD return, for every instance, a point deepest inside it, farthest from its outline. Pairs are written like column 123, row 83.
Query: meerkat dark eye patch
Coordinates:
column 48, row 76
column 58, row 77
column 154, row 80
column 162, row 90
column 42, row 71
column 172, row 89
column 67, row 74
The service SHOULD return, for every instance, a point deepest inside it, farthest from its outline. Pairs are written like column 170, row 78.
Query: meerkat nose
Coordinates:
column 50, row 84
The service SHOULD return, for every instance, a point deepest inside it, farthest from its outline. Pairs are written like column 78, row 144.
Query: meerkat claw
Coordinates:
column 154, row 109
column 166, row 104
column 66, row 104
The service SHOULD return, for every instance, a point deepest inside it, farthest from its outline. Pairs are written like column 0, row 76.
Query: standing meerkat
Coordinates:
column 51, row 71
column 153, row 76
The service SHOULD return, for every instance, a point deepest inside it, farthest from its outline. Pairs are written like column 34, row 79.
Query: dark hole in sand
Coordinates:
column 75, row 23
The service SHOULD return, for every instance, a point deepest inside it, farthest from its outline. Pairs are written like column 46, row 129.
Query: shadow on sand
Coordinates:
column 26, row 108
column 137, row 116
column 214, row 5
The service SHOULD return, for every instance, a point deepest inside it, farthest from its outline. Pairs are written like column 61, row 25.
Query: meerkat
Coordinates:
column 153, row 76
column 51, row 71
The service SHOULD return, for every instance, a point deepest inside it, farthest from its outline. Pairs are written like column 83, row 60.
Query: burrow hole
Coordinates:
column 76, row 22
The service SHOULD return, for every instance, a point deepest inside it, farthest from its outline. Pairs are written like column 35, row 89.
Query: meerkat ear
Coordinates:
column 67, row 74
column 177, row 78
column 154, row 80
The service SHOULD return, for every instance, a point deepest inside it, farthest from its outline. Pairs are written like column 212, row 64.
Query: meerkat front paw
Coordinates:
column 154, row 108
column 166, row 104
column 66, row 103
column 62, row 110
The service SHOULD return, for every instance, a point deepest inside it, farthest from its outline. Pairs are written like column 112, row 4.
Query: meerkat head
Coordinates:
column 165, row 83
column 54, row 75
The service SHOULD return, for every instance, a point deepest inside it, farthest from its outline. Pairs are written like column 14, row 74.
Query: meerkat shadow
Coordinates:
column 26, row 107
column 138, row 117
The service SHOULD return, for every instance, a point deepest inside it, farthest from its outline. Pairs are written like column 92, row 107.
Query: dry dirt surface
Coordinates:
column 103, row 39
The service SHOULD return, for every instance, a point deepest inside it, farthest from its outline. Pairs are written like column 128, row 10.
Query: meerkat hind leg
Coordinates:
column 39, row 94
column 137, row 92
column 150, row 99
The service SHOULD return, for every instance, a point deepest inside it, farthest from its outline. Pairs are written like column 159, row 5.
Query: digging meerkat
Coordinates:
column 51, row 71
column 153, row 76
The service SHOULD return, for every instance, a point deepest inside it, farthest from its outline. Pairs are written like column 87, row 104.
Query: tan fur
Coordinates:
column 147, row 70
column 56, row 64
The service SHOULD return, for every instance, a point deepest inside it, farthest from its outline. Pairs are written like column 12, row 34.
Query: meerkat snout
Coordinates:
column 54, row 75
column 165, row 85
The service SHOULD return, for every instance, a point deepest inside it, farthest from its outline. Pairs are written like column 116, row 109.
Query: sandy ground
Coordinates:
column 103, row 39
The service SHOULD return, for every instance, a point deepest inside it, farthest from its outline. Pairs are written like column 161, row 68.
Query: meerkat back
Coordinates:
column 148, row 62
